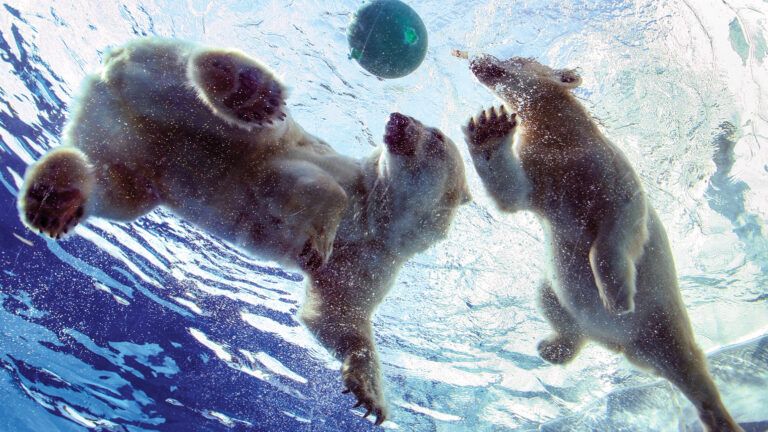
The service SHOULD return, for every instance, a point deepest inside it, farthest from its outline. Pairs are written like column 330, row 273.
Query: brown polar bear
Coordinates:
column 205, row 133
column 612, row 276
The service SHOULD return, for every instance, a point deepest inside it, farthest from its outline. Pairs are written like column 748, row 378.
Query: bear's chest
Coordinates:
column 566, row 186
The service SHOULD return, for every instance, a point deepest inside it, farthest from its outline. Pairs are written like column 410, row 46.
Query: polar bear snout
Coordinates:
column 406, row 136
column 400, row 135
column 487, row 69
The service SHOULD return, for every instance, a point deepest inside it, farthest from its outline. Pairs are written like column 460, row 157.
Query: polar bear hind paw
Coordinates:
column 238, row 88
column 53, row 197
column 490, row 128
column 558, row 349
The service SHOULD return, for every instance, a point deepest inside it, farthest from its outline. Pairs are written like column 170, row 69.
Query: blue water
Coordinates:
column 156, row 326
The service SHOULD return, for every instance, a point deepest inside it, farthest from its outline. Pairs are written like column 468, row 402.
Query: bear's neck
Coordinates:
column 555, row 118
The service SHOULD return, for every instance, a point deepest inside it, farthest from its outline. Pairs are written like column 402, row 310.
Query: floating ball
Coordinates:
column 387, row 38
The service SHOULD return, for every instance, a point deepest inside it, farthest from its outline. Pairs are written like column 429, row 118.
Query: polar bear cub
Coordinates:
column 205, row 132
column 613, row 278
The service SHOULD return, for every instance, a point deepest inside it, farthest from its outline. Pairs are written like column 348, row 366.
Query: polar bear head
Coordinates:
column 519, row 80
column 420, row 184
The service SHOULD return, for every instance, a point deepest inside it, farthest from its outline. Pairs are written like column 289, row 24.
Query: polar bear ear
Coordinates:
column 568, row 78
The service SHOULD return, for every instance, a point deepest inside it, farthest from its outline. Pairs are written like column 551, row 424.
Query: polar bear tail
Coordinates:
column 56, row 188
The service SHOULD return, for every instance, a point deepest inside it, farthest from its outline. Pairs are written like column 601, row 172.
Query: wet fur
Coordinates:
column 612, row 277
column 205, row 133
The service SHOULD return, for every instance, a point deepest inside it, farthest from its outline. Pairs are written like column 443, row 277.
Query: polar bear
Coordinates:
column 206, row 133
column 612, row 275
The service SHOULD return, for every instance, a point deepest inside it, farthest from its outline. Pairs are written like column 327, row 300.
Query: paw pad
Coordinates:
column 557, row 350
column 489, row 126
column 53, row 211
column 238, row 88
column 258, row 98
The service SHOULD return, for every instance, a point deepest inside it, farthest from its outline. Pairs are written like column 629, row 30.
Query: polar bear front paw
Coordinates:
column 238, row 88
column 360, row 374
column 490, row 128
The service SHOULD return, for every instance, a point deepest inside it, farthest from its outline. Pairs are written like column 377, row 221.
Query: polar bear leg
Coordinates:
column 619, row 244
column 237, row 88
column 122, row 193
column 566, row 341
column 63, row 188
column 56, row 188
column 663, row 348
column 489, row 136
column 311, row 204
column 348, row 334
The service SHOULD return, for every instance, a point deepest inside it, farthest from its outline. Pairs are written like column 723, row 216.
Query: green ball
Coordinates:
column 387, row 38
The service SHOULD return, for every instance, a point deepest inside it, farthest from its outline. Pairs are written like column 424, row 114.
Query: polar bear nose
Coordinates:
column 398, row 120
column 397, row 136
column 486, row 67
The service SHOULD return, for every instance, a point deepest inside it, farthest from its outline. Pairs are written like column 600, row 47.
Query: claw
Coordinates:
column 358, row 404
column 346, row 391
column 367, row 413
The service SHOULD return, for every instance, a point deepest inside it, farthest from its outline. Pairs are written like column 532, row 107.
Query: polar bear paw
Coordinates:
column 238, row 88
column 360, row 374
column 490, row 128
column 317, row 250
column 53, row 197
column 558, row 349
column 621, row 304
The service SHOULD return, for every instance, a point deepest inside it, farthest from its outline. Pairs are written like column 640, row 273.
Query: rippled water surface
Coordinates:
column 156, row 326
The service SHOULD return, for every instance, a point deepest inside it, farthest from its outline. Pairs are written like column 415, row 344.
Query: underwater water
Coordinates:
column 157, row 326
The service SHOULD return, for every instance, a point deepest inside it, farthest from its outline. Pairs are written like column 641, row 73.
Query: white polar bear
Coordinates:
column 613, row 278
column 205, row 133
